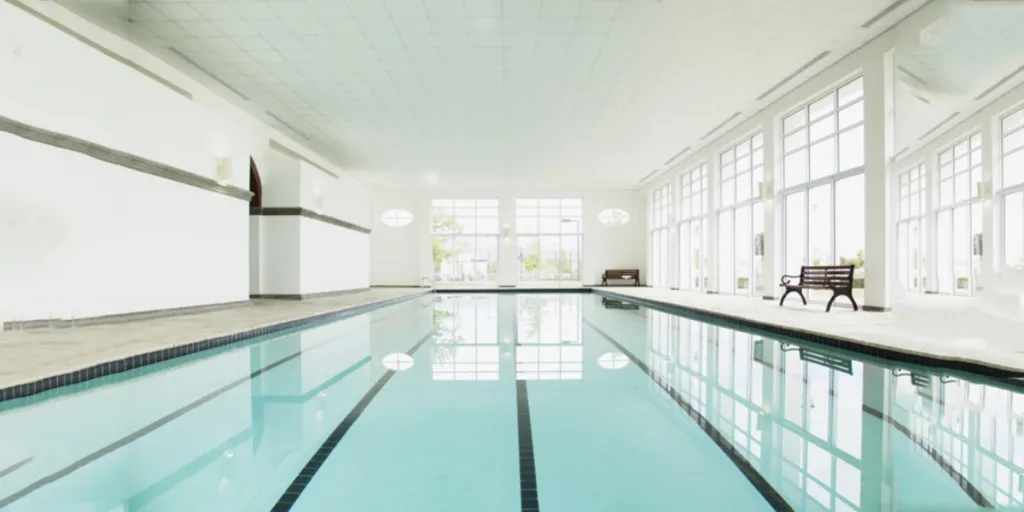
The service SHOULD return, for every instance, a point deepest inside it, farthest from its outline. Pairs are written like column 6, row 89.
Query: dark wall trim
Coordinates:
column 122, row 317
column 119, row 158
column 307, row 296
column 297, row 211
column 876, row 309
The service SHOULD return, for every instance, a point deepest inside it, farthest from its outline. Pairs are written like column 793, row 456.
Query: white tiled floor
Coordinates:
column 26, row 356
column 943, row 327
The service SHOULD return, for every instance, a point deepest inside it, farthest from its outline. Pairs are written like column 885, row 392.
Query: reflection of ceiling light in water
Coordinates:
column 397, row 362
column 612, row 361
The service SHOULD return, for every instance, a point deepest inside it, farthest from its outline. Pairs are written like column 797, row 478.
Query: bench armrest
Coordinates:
column 786, row 279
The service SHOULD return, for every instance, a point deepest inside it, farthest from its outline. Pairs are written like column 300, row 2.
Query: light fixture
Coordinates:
column 765, row 190
column 224, row 170
column 397, row 362
column 318, row 198
column 612, row 361
column 985, row 189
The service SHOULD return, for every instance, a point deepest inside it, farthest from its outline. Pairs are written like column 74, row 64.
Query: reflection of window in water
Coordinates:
column 550, row 338
column 466, row 346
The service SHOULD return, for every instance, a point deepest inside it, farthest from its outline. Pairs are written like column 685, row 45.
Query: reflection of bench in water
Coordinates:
column 618, row 304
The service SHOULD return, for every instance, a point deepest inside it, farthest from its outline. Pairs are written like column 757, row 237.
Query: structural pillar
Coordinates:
column 989, row 207
column 771, row 258
column 879, row 129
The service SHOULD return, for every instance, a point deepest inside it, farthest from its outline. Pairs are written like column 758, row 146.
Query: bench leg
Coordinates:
column 798, row 292
column 604, row 281
column 830, row 301
column 850, row 296
column 835, row 295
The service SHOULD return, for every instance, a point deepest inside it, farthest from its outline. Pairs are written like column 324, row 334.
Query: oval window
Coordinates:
column 613, row 361
column 397, row 362
column 613, row 217
column 396, row 218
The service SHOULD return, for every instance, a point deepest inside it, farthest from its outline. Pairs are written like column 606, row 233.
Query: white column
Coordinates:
column 771, row 261
column 989, row 206
column 879, row 271
column 508, row 254
column 712, row 235
column 931, row 198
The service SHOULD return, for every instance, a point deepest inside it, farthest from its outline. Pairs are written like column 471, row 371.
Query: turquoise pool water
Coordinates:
column 548, row 402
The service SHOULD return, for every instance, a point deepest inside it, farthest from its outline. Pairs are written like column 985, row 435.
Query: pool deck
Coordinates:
column 939, row 327
column 31, row 355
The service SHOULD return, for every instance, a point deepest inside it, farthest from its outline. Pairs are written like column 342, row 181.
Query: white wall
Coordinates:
column 402, row 256
column 332, row 258
column 119, row 241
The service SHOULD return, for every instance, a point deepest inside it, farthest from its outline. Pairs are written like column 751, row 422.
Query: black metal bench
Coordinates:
column 626, row 274
column 838, row 278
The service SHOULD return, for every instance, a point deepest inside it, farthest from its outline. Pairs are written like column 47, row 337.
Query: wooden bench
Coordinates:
column 838, row 278
column 626, row 274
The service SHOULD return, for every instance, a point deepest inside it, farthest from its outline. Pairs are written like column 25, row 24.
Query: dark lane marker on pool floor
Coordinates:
column 527, row 466
column 769, row 493
column 292, row 493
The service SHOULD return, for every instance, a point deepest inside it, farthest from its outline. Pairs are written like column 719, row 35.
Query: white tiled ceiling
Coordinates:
column 531, row 93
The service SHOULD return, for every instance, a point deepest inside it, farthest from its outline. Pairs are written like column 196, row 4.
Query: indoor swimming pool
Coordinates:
column 518, row 402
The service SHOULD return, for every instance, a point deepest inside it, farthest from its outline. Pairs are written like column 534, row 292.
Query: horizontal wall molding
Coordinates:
column 297, row 211
column 119, row 158
column 61, row 323
column 307, row 296
column 96, row 46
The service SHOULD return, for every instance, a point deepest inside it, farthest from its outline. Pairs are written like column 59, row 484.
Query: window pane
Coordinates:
column 851, row 115
column 851, row 91
column 725, row 252
column 850, row 225
column 851, row 149
column 1013, row 121
column 823, row 127
column 795, row 168
column 742, row 251
column 823, row 158
column 794, row 141
column 820, row 224
column 945, row 247
column 1013, row 225
column 1013, row 169
column 1013, row 141
column 795, row 224
column 728, row 192
column 743, row 187
column 794, row 121
column 822, row 106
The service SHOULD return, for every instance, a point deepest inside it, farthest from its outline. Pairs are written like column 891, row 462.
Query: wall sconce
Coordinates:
column 985, row 189
column 224, row 170
column 765, row 190
column 505, row 230
column 318, row 198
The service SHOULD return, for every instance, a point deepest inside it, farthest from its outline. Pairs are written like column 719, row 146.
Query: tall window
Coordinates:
column 823, row 183
column 1012, row 190
column 549, row 234
column 661, row 206
column 550, row 344
column 958, row 219
column 466, row 344
column 741, row 217
column 693, row 209
column 910, row 229
column 465, row 239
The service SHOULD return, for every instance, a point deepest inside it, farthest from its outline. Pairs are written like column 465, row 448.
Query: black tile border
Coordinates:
column 458, row 291
column 770, row 494
column 163, row 420
column 297, row 211
column 527, row 464
column 745, row 324
column 957, row 477
column 307, row 296
column 306, row 475
column 14, row 467
column 63, row 323
column 32, row 389
column 119, row 158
